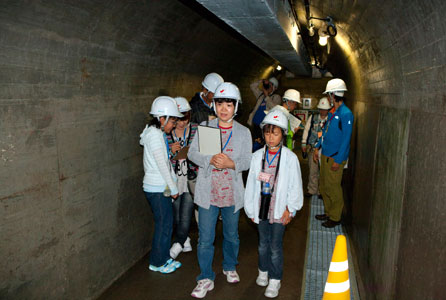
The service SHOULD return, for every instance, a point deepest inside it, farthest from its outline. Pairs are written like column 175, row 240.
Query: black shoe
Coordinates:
column 330, row 224
column 321, row 217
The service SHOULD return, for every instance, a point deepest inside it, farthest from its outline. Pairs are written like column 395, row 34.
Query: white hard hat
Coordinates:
column 165, row 106
column 228, row 90
column 292, row 95
column 212, row 81
column 323, row 103
column 274, row 81
column 275, row 117
column 183, row 104
column 336, row 86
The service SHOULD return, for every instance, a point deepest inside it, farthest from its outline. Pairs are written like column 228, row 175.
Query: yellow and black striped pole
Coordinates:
column 338, row 284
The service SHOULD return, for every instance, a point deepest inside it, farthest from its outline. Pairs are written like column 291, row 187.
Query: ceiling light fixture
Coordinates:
column 279, row 67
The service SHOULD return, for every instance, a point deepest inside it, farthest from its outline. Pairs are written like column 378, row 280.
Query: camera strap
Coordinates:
column 277, row 169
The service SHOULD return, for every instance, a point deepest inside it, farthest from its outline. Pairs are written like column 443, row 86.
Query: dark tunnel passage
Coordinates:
column 76, row 83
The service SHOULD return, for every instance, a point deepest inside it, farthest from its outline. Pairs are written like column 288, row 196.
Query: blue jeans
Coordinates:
column 271, row 248
column 183, row 207
column 207, row 219
column 162, row 214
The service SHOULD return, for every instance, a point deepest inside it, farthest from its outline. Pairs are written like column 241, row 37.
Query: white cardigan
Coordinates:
column 158, row 171
column 289, row 192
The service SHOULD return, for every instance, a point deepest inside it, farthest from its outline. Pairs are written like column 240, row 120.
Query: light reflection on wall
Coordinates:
column 356, row 88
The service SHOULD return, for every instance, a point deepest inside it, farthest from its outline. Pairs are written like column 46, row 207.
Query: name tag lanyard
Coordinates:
column 265, row 155
column 327, row 123
column 230, row 136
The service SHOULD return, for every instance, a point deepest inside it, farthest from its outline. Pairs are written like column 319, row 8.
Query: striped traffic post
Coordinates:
column 338, row 285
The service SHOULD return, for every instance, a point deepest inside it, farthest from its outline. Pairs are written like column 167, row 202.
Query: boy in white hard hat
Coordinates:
column 335, row 148
column 273, row 195
column 291, row 100
column 263, row 90
column 310, row 137
column 201, row 103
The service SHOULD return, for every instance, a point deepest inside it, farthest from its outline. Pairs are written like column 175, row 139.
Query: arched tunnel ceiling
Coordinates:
column 270, row 25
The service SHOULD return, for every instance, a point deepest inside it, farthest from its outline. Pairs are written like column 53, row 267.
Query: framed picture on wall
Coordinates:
column 306, row 103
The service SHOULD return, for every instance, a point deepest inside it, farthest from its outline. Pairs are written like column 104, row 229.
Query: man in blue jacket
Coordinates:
column 335, row 145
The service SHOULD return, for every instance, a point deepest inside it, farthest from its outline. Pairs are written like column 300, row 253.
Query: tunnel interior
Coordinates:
column 76, row 85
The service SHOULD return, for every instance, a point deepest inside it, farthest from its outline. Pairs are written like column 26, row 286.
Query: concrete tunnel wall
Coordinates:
column 76, row 83
column 392, row 55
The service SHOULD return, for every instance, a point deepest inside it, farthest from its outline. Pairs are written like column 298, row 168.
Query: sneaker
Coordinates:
column 262, row 279
column 202, row 288
column 231, row 276
column 187, row 246
column 176, row 263
column 272, row 291
column 169, row 267
column 175, row 250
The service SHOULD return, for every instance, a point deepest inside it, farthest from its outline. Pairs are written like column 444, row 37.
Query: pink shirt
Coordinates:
column 222, row 194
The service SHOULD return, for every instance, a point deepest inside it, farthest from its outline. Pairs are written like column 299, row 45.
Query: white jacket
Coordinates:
column 289, row 192
column 158, row 171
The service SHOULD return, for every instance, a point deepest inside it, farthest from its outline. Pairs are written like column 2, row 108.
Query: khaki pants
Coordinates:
column 331, row 189
column 313, row 176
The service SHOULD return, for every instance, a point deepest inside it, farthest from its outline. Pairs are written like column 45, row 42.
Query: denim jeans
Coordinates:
column 183, row 207
column 162, row 214
column 207, row 219
column 271, row 248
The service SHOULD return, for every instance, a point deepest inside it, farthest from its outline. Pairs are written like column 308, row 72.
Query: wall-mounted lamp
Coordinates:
column 323, row 37
column 330, row 28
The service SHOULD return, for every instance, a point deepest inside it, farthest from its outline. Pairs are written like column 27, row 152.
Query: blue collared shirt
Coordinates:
column 337, row 134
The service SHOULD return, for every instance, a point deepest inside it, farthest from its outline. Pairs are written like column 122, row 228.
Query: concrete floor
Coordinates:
column 141, row 283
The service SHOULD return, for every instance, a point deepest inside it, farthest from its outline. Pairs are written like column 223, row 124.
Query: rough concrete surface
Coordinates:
column 76, row 85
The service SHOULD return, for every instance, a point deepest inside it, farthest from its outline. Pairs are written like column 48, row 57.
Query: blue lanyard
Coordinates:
column 167, row 145
column 204, row 102
column 267, row 160
column 184, row 135
column 230, row 136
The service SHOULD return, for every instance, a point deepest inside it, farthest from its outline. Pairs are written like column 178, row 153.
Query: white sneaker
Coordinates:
column 262, row 279
column 187, row 246
column 175, row 250
column 272, row 291
column 232, row 276
column 202, row 288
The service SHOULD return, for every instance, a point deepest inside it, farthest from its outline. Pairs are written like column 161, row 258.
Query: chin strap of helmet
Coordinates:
column 165, row 121
column 235, row 110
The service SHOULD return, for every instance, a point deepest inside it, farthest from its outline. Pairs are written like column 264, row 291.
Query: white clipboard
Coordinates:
column 209, row 140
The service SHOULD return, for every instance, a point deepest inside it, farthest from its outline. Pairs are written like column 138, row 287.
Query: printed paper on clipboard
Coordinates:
column 209, row 140
column 294, row 122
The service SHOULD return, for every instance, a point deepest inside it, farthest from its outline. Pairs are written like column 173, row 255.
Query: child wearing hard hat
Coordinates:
column 273, row 195
column 180, row 138
column 159, row 180
column 291, row 99
column 201, row 103
column 220, row 188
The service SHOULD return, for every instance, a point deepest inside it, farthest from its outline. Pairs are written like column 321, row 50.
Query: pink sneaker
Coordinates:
column 202, row 288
